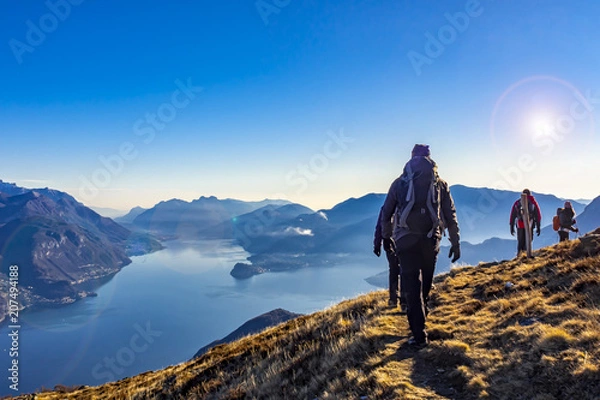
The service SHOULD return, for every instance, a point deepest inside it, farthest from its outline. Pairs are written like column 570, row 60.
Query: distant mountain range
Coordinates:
column 282, row 236
column 198, row 218
column 58, row 244
column 278, row 234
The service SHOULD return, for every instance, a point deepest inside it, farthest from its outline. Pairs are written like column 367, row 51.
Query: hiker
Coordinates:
column 423, row 207
column 394, row 268
column 516, row 214
column 566, row 218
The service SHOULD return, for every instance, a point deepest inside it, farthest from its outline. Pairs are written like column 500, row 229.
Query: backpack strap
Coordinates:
column 433, row 197
column 410, row 196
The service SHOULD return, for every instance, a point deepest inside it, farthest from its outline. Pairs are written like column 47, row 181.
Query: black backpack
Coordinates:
column 566, row 218
column 419, row 203
column 532, row 211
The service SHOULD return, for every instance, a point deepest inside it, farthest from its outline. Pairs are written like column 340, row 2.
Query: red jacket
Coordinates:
column 534, row 212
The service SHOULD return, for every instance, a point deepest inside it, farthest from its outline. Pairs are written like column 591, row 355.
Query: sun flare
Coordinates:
column 542, row 124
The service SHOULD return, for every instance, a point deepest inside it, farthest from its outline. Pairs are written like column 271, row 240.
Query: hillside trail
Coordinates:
column 401, row 367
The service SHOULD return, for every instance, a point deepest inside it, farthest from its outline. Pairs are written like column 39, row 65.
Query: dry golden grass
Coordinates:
column 537, row 339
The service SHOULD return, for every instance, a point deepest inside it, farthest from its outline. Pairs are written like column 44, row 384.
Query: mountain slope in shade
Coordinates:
column 50, row 252
column 354, row 210
column 252, row 326
column 58, row 243
column 590, row 217
column 537, row 338
column 60, row 206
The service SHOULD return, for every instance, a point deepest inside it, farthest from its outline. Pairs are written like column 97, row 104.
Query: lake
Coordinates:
column 161, row 309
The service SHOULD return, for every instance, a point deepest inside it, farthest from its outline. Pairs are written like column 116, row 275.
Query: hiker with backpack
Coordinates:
column 563, row 222
column 394, row 269
column 423, row 207
column 516, row 215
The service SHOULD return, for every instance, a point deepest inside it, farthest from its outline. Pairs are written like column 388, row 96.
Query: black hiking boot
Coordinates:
column 417, row 345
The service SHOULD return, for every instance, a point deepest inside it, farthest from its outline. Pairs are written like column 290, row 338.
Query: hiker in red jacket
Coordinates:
column 516, row 214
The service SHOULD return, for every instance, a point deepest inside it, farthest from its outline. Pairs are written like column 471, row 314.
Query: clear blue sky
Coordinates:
column 314, row 101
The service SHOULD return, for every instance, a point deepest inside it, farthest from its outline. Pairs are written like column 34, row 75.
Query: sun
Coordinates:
column 542, row 124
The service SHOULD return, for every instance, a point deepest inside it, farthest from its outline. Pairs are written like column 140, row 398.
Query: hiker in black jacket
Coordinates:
column 423, row 207
column 394, row 269
column 566, row 216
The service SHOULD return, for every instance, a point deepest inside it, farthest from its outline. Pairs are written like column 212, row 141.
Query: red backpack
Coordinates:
column 556, row 220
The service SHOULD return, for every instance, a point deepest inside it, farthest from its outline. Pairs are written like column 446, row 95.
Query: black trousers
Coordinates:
column 563, row 236
column 394, row 278
column 521, row 241
column 418, row 256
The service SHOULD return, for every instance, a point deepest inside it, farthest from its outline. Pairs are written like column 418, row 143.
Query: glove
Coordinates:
column 377, row 250
column 512, row 230
column 538, row 230
column 454, row 250
column 389, row 246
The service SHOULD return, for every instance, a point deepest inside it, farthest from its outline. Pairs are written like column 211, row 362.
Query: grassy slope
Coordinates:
column 539, row 339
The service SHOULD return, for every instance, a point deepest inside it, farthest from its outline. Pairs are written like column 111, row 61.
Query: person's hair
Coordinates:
column 527, row 192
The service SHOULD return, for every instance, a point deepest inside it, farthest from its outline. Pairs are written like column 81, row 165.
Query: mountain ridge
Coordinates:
column 252, row 326
column 188, row 219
